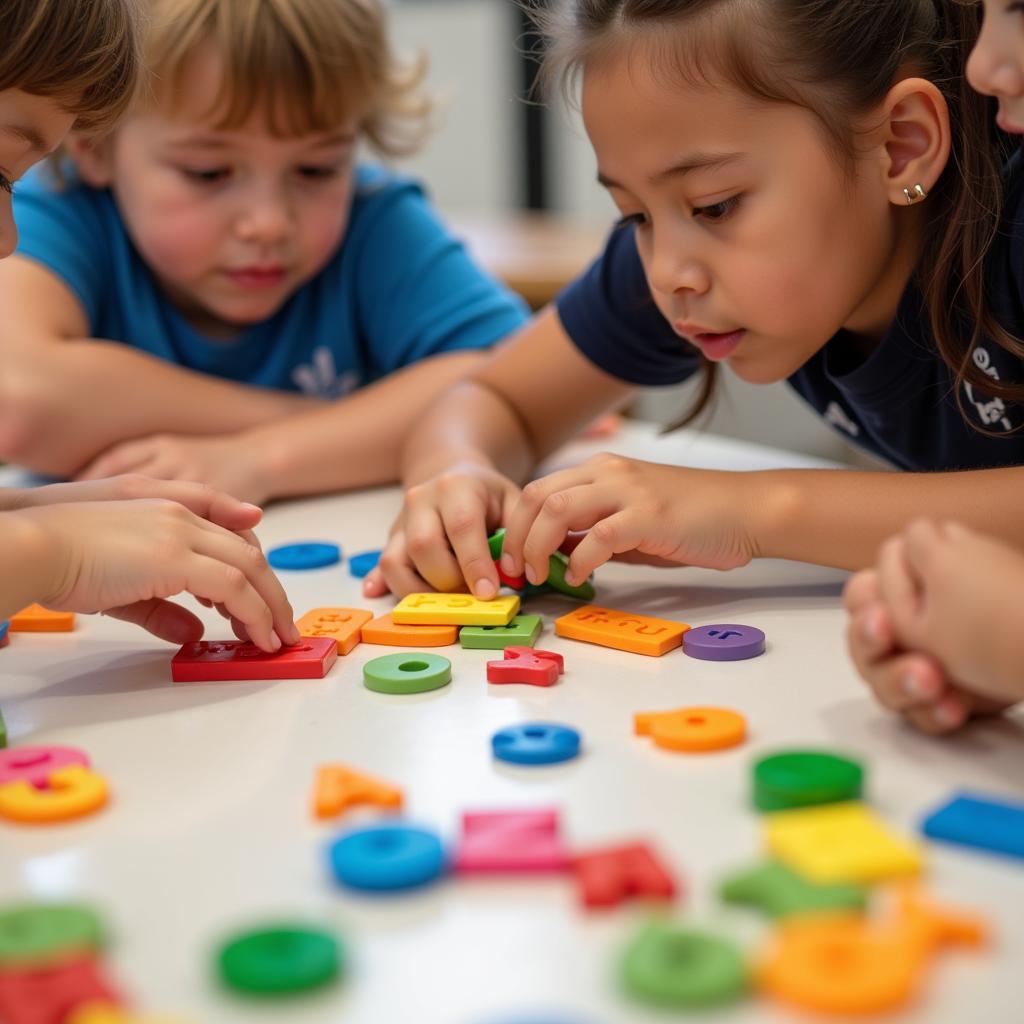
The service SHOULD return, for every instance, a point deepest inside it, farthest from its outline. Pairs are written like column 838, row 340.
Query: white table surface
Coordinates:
column 209, row 827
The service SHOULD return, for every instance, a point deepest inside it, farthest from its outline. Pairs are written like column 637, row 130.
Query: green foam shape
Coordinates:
column 682, row 969
column 408, row 672
column 557, row 565
column 805, row 778
column 522, row 631
column 778, row 891
column 279, row 960
column 36, row 933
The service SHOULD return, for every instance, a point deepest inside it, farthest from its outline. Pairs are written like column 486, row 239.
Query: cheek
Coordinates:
column 323, row 226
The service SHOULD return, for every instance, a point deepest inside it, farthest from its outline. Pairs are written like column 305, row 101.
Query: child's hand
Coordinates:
column 639, row 511
column 227, row 463
column 126, row 557
column 439, row 540
column 926, row 627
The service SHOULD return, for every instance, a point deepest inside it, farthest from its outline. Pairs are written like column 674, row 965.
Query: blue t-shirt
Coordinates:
column 898, row 403
column 399, row 288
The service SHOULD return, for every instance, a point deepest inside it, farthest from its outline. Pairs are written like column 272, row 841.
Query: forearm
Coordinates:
column 87, row 395
column 841, row 517
column 357, row 441
column 28, row 563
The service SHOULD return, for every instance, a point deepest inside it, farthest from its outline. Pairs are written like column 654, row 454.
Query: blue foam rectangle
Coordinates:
column 971, row 820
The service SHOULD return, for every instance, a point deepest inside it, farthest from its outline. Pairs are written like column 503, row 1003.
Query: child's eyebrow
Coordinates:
column 27, row 134
column 693, row 162
column 224, row 142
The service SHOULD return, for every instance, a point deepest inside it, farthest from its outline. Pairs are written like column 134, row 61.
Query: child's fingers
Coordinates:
column 397, row 572
column 164, row 619
column 217, row 507
column 945, row 716
column 898, row 588
column 122, row 458
column 463, row 513
column 426, row 542
column 244, row 570
column 525, row 511
column 375, row 584
column 861, row 589
column 620, row 532
column 904, row 682
column 869, row 636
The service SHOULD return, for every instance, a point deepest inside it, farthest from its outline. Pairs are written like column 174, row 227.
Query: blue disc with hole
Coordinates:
column 536, row 743
column 383, row 858
column 307, row 555
column 363, row 563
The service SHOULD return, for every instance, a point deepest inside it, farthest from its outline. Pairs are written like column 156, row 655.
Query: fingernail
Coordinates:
column 869, row 629
column 531, row 575
column 484, row 589
column 918, row 686
column 570, row 578
column 295, row 633
column 508, row 565
column 275, row 641
column 252, row 508
column 949, row 713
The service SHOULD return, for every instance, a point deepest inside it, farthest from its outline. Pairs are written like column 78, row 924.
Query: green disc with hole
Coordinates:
column 35, row 933
column 495, row 541
column 279, row 960
column 557, row 564
column 804, row 778
column 682, row 970
column 410, row 672
column 522, row 631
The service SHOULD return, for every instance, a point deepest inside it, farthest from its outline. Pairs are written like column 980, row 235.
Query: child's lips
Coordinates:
column 713, row 344
column 256, row 277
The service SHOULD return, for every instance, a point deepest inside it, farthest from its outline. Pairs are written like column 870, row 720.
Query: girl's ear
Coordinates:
column 92, row 159
column 915, row 137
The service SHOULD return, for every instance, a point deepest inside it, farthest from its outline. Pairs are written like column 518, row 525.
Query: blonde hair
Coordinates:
column 82, row 53
column 310, row 64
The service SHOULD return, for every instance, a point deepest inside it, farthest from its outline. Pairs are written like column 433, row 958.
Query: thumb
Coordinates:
column 164, row 619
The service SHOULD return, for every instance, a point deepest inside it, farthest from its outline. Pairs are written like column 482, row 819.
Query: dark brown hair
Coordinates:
column 82, row 53
column 837, row 60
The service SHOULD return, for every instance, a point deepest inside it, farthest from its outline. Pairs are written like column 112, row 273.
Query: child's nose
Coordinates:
column 265, row 220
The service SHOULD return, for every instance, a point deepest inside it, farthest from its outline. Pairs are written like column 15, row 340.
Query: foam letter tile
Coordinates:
column 522, row 631
column 981, row 822
column 682, row 970
column 777, row 891
column 48, row 995
column 3, row 730
column 510, row 842
column 847, row 963
column 727, row 641
column 525, row 665
column 515, row 582
column 557, row 566
column 694, row 730
column 37, row 619
column 839, row 843
column 388, row 857
column 339, row 787
column 386, row 633
column 71, row 792
column 638, row 634
column 343, row 625
column 104, row 1013
column 211, row 660
column 35, row 765
column 454, row 610
column 608, row 877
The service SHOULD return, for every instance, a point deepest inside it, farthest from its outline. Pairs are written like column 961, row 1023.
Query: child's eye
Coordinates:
column 718, row 211
column 206, row 177
column 6, row 185
column 315, row 173
column 630, row 220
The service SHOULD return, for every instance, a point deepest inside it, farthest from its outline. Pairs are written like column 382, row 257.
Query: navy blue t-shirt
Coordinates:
column 898, row 403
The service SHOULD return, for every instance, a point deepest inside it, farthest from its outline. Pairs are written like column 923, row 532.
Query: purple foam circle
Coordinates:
column 723, row 641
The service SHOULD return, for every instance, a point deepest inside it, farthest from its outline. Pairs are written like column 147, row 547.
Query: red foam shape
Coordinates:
column 526, row 665
column 510, row 842
column 608, row 877
column 515, row 582
column 208, row 660
column 48, row 995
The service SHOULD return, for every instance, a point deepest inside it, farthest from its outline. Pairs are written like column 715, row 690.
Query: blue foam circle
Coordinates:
column 306, row 555
column 536, row 743
column 363, row 563
column 381, row 858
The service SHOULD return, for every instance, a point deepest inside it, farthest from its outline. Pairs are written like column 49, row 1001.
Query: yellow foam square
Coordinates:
column 454, row 610
column 840, row 843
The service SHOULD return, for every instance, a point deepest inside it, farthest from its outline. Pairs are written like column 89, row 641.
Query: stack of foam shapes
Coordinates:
column 215, row 660
column 638, row 634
